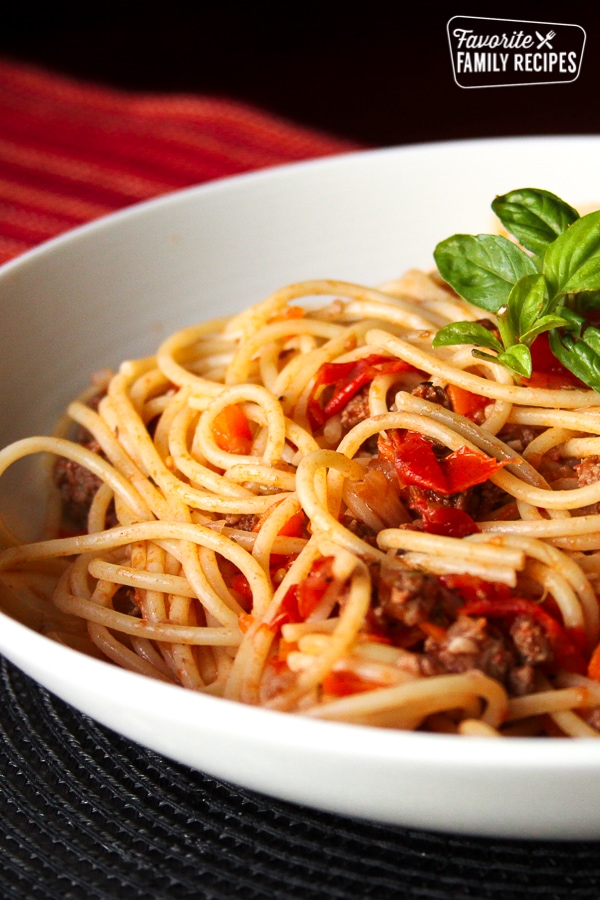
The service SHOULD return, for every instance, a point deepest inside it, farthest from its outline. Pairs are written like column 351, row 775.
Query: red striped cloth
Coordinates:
column 70, row 152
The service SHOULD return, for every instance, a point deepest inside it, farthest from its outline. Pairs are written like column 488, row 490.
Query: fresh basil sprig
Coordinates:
column 542, row 283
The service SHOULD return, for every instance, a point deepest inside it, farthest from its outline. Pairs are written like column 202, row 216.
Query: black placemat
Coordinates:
column 85, row 813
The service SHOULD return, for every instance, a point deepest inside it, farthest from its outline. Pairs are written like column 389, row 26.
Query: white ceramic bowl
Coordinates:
column 115, row 288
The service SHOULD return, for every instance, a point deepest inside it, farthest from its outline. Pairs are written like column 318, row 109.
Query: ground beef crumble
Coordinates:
column 509, row 653
column 76, row 484
column 469, row 644
column 245, row 522
column 408, row 597
column 432, row 393
column 356, row 410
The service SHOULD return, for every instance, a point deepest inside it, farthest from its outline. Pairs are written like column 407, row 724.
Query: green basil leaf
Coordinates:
column 535, row 217
column 591, row 336
column 517, row 358
column 527, row 302
column 546, row 323
column 482, row 268
column 466, row 333
column 575, row 322
column 578, row 357
column 572, row 261
column 579, row 327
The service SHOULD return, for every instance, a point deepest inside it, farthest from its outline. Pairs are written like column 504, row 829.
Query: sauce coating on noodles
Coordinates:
column 308, row 507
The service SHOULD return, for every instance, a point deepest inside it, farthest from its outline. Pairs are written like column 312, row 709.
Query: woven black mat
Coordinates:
column 85, row 813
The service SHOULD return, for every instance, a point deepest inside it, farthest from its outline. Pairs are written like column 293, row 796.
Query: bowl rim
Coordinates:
column 281, row 170
column 451, row 751
column 232, row 717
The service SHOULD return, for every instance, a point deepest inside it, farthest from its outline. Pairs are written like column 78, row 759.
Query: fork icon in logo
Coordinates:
column 545, row 41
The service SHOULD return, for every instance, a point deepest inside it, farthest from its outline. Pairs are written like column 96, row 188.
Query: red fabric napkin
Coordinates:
column 70, row 152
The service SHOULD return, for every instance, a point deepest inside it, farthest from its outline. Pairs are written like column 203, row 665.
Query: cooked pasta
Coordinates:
column 309, row 508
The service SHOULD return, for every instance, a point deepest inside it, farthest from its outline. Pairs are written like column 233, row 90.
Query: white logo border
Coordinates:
column 470, row 87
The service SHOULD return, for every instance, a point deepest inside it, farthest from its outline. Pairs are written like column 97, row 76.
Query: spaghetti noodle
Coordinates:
column 307, row 507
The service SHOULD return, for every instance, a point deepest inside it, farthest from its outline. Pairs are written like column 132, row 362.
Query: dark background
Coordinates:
column 378, row 73
column 87, row 814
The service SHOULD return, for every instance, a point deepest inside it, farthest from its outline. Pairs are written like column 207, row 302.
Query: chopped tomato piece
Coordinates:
column 547, row 370
column 302, row 599
column 342, row 684
column 553, row 381
column 416, row 463
column 466, row 403
column 288, row 609
column 466, row 468
column 593, row 670
column 311, row 590
column 240, row 583
column 232, row 431
column 294, row 527
column 348, row 379
column 278, row 562
column 447, row 521
column 474, row 589
column 241, row 586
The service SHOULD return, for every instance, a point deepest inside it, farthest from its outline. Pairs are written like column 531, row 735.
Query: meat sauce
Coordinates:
column 426, row 614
